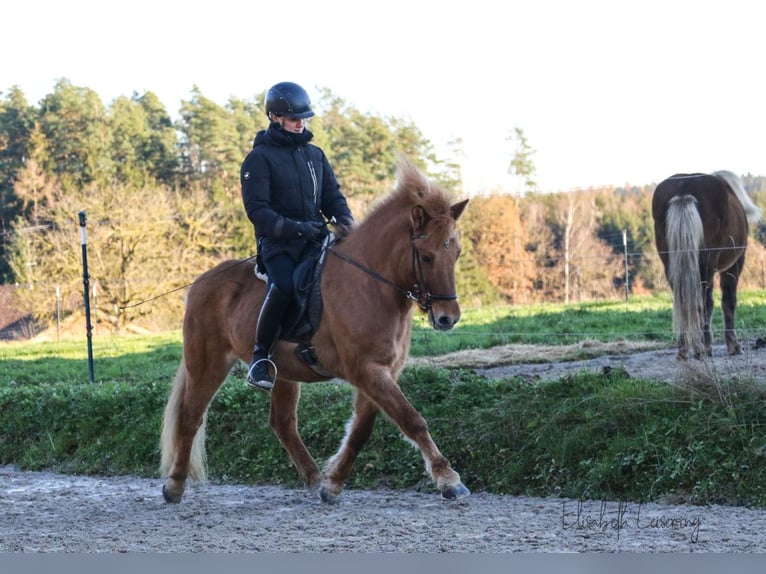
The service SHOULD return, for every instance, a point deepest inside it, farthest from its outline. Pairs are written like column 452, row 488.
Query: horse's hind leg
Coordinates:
column 729, row 280
column 358, row 431
column 183, row 433
column 706, row 316
column 283, row 418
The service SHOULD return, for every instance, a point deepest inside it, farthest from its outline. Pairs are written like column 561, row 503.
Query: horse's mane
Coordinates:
column 412, row 188
column 752, row 211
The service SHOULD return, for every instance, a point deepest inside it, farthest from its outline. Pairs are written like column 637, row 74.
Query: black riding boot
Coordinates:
column 269, row 323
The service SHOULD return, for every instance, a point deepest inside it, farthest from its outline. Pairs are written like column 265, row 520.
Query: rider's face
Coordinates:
column 292, row 125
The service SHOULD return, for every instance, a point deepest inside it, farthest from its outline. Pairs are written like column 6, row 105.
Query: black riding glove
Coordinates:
column 341, row 228
column 311, row 230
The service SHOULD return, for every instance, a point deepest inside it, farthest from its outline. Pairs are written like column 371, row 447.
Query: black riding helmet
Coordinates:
column 288, row 99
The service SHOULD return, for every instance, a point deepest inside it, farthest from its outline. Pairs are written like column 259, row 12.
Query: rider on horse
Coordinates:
column 288, row 189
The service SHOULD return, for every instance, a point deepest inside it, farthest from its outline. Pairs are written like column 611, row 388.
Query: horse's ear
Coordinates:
column 457, row 209
column 419, row 218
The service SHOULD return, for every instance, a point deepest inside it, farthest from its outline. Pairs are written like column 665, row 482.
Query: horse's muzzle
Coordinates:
column 443, row 321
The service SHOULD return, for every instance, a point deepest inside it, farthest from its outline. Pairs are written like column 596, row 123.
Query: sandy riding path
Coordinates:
column 45, row 512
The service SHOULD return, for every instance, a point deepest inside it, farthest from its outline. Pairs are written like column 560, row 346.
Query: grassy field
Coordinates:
column 599, row 436
column 640, row 319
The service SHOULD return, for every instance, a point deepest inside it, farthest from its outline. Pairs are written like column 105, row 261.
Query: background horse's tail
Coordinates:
column 752, row 211
column 685, row 238
column 168, row 437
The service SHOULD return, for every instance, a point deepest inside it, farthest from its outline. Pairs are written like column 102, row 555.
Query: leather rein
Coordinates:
column 419, row 292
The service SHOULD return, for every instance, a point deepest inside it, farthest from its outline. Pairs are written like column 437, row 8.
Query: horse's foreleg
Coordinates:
column 358, row 431
column 387, row 395
column 729, row 280
column 283, row 418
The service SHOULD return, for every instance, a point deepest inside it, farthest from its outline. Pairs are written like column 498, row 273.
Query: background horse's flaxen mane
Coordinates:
column 752, row 211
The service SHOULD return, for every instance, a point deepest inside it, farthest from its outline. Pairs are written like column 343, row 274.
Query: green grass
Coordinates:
column 600, row 436
column 126, row 359
column 639, row 319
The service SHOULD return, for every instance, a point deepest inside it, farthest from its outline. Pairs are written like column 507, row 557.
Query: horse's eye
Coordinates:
column 427, row 259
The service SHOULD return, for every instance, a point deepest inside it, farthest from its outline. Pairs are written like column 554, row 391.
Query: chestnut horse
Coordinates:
column 402, row 253
column 701, row 228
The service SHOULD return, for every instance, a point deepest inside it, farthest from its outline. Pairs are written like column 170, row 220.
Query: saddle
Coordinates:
column 304, row 313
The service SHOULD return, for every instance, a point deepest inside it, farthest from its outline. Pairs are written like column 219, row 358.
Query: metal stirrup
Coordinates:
column 262, row 384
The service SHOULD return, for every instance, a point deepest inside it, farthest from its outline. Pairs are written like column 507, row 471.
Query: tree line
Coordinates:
column 163, row 204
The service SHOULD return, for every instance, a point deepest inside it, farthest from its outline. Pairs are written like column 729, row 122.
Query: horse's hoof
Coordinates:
column 327, row 497
column 455, row 492
column 314, row 482
column 171, row 498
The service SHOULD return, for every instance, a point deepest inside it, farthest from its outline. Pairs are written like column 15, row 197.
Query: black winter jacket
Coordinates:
column 286, row 180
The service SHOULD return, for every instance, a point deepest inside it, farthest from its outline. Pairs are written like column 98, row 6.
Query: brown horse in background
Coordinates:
column 701, row 228
column 404, row 252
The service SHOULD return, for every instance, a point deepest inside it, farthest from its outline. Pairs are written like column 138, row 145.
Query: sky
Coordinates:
column 606, row 92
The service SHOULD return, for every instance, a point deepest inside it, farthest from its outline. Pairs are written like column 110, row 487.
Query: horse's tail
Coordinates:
column 685, row 237
column 168, row 436
column 752, row 211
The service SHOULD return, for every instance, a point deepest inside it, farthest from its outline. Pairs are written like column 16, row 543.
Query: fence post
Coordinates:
column 85, row 279
column 625, row 249
column 58, row 313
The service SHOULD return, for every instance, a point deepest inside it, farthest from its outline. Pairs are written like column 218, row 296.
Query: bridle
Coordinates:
column 419, row 292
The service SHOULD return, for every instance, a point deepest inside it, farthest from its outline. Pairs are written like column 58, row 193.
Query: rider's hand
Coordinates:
column 311, row 230
column 342, row 228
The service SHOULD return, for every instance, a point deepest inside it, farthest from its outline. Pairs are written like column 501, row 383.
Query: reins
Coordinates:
column 419, row 292
column 421, row 295
column 123, row 307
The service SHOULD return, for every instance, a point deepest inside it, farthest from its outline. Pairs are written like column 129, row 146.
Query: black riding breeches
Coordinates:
column 280, row 271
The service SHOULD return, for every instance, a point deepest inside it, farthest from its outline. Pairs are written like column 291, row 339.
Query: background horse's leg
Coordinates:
column 729, row 280
column 283, row 418
column 707, row 317
column 381, row 388
column 358, row 431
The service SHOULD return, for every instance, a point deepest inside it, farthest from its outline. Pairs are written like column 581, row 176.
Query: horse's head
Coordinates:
column 435, row 246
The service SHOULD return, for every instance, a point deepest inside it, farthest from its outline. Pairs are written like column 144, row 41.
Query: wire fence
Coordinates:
column 749, row 327
column 14, row 323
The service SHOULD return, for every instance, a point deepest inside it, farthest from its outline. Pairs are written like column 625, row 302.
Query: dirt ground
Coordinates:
column 643, row 360
column 42, row 512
